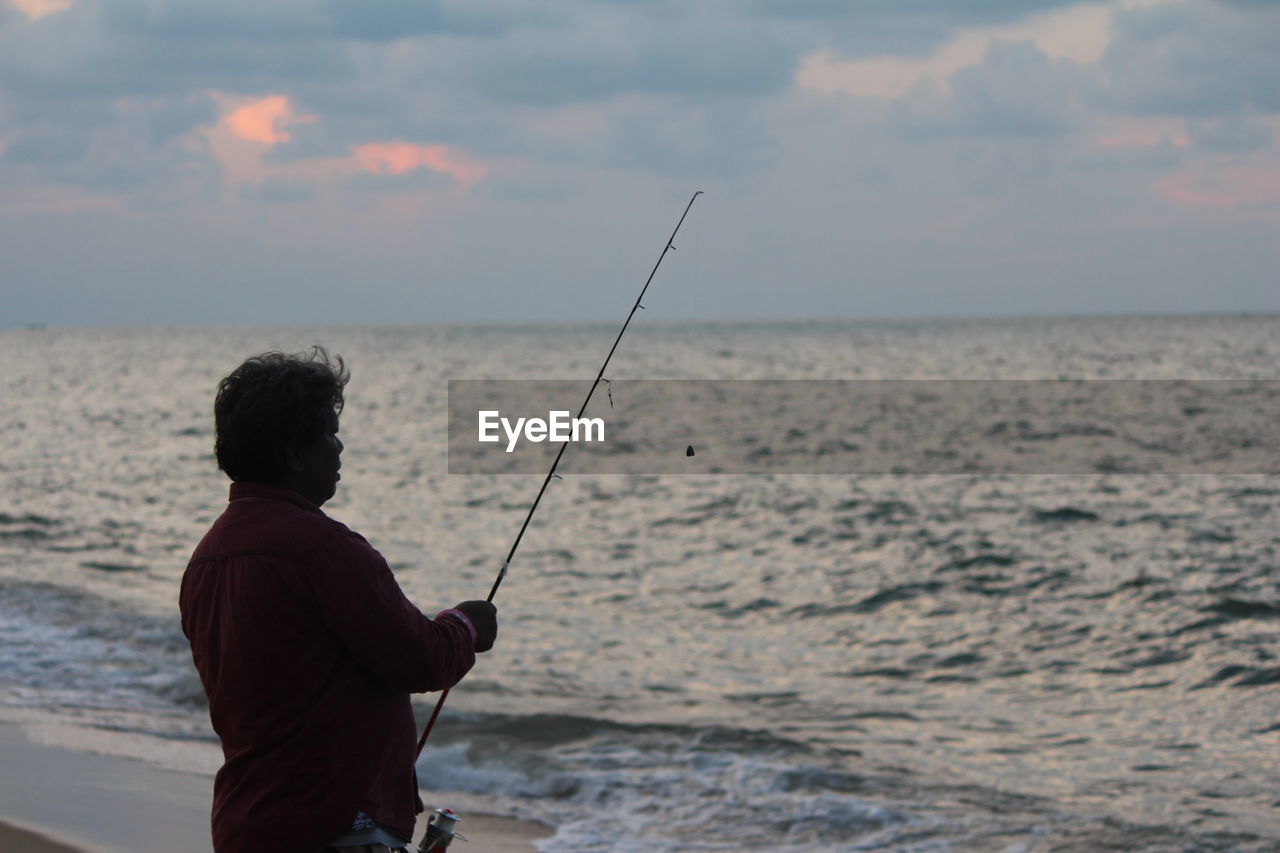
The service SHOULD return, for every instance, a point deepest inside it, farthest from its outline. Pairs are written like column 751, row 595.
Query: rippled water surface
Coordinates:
column 815, row 663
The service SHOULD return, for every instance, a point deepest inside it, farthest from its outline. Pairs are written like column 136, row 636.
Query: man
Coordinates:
column 305, row 644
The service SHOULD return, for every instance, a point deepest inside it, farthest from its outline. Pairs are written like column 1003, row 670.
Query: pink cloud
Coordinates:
column 1139, row 138
column 263, row 120
column 397, row 158
column 56, row 200
column 1242, row 186
column 37, row 9
column 1128, row 132
column 1141, row 142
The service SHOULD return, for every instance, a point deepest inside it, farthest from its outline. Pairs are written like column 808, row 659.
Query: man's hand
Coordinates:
column 484, row 618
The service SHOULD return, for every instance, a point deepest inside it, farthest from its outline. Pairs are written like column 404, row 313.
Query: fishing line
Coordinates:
column 697, row 264
column 502, row 572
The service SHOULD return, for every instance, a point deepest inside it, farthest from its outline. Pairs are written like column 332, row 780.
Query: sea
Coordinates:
column 819, row 662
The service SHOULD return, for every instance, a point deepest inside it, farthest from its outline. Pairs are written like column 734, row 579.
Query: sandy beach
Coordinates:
column 55, row 800
column 18, row 840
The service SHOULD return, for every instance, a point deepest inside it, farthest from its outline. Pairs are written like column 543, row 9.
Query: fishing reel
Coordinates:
column 440, row 831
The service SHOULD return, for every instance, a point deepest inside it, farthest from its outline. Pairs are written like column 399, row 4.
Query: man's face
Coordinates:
column 317, row 472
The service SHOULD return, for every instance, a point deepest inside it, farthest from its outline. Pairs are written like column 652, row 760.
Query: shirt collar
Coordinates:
column 266, row 491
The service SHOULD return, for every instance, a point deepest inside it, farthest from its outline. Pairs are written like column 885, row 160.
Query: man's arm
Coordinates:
column 359, row 600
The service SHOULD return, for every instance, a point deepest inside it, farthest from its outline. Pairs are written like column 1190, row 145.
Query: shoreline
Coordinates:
column 19, row 839
column 58, row 800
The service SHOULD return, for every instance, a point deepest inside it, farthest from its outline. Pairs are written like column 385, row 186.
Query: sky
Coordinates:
column 185, row 162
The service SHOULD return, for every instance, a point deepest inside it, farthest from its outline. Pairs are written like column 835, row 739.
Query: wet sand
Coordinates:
column 15, row 839
column 56, row 800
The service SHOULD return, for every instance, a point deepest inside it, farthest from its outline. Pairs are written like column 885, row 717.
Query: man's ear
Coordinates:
column 293, row 459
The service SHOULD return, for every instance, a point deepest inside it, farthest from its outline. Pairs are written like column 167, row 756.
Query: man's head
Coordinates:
column 276, row 417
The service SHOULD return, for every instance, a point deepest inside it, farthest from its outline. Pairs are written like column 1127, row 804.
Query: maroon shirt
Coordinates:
column 308, row 651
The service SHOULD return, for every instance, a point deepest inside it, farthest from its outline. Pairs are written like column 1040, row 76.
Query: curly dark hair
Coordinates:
column 271, row 402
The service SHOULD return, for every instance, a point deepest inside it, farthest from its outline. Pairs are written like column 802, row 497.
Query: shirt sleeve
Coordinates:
column 453, row 613
column 359, row 600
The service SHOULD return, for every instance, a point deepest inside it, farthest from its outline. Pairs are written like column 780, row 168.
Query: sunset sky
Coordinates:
column 409, row 161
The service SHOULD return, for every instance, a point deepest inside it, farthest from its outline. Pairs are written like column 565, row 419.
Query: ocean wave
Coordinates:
column 69, row 647
column 610, row 786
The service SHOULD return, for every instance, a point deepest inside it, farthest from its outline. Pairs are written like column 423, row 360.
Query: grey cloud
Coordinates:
column 353, row 101
column 536, row 188
column 200, row 20
column 549, row 53
column 1230, row 134
column 70, row 113
column 44, row 146
column 972, row 11
column 724, row 142
column 1197, row 59
column 278, row 191
column 90, row 169
column 367, row 113
column 686, row 57
column 68, row 70
column 851, row 27
column 898, row 27
column 177, row 116
column 418, row 179
column 71, row 62
column 552, row 79
column 1016, row 92
column 307, row 20
column 473, row 72
column 120, row 103
column 392, row 19
column 124, row 145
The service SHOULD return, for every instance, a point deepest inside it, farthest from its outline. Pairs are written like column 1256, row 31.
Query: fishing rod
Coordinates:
column 502, row 572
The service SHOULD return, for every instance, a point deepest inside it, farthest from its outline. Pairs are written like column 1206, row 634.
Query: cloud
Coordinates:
column 399, row 19
column 44, row 146
column 283, row 190
column 282, row 21
column 856, row 128
column 263, row 120
column 100, row 50
column 968, row 12
column 36, row 201
column 166, row 119
column 1079, row 33
column 1232, row 133
column 691, row 140
column 1193, row 59
column 1121, row 132
column 37, row 9
column 129, row 147
column 1224, row 185
column 252, row 146
column 1017, row 91
column 398, row 158
column 610, row 50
